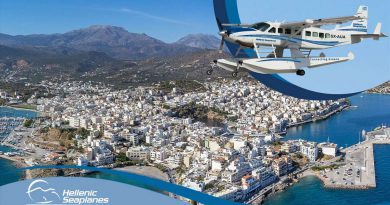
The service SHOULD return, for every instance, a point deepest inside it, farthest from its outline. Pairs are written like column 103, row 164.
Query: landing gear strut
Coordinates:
column 235, row 73
column 210, row 71
column 300, row 72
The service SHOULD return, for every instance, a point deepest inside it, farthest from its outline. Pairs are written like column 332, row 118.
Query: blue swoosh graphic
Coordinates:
column 151, row 182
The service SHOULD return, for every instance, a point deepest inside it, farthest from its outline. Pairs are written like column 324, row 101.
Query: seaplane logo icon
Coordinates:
column 40, row 193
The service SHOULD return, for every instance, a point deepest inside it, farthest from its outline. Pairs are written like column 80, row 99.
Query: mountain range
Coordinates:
column 106, row 54
column 115, row 41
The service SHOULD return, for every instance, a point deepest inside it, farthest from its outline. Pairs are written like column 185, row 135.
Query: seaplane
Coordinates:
column 269, row 40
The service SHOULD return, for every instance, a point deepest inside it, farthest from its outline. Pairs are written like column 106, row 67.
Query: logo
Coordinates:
column 39, row 192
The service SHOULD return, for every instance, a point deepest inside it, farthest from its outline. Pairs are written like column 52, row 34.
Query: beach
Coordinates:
column 145, row 171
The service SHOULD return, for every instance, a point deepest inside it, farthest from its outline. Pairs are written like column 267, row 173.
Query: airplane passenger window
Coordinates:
column 288, row 31
column 280, row 30
column 322, row 35
column 327, row 35
column 272, row 30
column 315, row 34
column 308, row 33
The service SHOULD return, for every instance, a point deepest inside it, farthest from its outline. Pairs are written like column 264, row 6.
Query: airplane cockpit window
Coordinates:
column 261, row 26
column 280, row 30
column 308, row 33
column 322, row 35
column 287, row 31
column 272, row 30
column 327, row 35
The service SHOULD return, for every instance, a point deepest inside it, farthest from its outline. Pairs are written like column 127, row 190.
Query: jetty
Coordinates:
column 357, row 171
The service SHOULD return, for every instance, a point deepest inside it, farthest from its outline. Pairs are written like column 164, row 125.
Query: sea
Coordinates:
column 344, row 129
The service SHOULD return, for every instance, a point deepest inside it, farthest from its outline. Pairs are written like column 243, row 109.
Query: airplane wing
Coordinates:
column 320, row 22
column 307, row 22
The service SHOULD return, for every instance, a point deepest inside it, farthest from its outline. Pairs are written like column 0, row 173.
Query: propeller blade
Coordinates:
column 222, row 45
column 238, row 51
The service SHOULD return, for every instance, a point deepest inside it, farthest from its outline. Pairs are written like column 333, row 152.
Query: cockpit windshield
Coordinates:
column 261, row 26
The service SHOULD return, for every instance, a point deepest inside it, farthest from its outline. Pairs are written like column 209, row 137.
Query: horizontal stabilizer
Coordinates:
column 376, row 35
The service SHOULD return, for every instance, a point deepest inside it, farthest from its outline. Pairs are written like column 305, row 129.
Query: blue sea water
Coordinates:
column 8, row 173
column 11, row 112
column 344, row 129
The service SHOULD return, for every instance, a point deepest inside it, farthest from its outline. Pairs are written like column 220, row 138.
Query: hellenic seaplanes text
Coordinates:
column 82, row 197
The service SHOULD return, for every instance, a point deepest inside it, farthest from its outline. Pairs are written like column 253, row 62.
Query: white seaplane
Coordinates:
column 272, row 38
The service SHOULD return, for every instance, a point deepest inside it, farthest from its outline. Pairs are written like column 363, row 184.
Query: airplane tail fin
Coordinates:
column 361, row 25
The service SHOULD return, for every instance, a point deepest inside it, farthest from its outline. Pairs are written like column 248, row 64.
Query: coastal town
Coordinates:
column 225, row 139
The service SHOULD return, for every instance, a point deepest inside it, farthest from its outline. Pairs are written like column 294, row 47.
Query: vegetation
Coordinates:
column 82, row 132
column 210, row 185
column 121, row 157
column 277, row 143
column 182, row 85
column 299, row 155
column 24, row 91
column 320, row 168
column 165, row 106
column 56, row 138
column 28, row 123
column 161, row 167
column 232, row 118
column 199, row 112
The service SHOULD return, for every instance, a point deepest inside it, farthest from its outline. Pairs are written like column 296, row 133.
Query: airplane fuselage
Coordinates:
column 308, row 38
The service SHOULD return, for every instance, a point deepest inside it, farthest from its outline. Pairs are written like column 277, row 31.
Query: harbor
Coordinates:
column 358, row 169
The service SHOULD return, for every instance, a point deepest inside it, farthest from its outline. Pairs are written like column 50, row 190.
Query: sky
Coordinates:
column 169, row 20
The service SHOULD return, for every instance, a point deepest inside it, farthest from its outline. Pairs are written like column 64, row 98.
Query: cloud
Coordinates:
column 151, row 16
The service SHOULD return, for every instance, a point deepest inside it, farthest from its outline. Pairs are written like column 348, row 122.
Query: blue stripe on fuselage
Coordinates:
column 354, row 29
column 293, row 40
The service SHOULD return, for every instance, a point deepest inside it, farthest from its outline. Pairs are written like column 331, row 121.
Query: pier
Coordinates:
column 358, row 169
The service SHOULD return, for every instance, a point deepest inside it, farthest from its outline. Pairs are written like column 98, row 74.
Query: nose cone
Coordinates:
column 223, row 33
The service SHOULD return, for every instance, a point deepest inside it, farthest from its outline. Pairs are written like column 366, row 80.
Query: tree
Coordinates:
column 83, row 132
column 121, row 157
column 28, row 123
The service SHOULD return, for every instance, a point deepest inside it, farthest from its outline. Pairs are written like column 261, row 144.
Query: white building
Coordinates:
column 310, row 150
column 138, row 153
column 74, row 122
column 195, row 185
column 329, row 149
